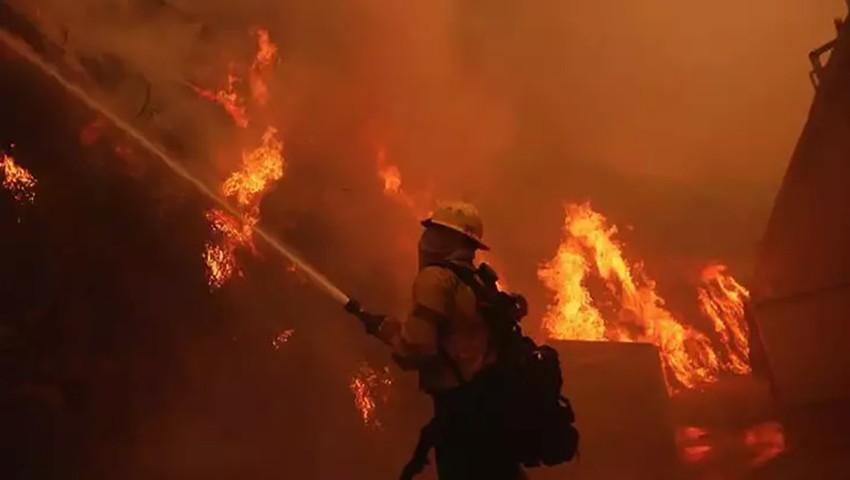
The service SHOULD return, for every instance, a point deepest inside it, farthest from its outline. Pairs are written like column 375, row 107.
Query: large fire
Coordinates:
column 623, row 305
column 370, row 387
column 17, row 180
column 259, row 169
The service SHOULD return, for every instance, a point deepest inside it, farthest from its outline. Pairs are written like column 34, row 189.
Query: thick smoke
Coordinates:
column 661, row 111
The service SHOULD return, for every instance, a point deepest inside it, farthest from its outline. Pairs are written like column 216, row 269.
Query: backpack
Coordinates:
column 540, row 421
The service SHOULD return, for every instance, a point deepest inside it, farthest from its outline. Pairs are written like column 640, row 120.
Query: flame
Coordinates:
column 721, row 299
column 282, row 338
column 266, row 56
column 390, row 177
column 635, row 312
column 369, row 387
column 261, row 167
column 17, row 180
column 228, row 97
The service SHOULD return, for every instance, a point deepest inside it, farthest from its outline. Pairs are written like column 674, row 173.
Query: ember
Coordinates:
column 220, row 258
column 635, row 312
column 17, row 180
column 370, row 387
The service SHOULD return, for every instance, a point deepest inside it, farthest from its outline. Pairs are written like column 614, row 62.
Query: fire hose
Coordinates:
column 24, row 51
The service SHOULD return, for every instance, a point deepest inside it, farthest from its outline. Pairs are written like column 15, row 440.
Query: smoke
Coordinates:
column 479, row 99
column 674, row 118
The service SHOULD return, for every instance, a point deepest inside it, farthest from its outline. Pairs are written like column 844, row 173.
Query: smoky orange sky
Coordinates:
column 674, row 117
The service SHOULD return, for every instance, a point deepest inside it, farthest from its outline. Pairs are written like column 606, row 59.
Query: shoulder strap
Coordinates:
column 469, row 278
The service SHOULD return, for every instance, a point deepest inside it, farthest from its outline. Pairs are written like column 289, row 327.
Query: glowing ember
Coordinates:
column 634, row 312
column 228, row 97
column 17, row 180
column 261, row 167
column 266, row 56
column 370, row 387
column 766, row 441
column 722, row 299
column 221, row 264
column 282, row 338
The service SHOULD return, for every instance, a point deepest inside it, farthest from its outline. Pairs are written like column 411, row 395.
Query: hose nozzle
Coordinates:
column 353, row 307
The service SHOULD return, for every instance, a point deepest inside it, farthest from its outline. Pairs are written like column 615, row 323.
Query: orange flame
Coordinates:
column 637, row 312
column 261, row 167
column 369, row 387
column 390, row 176
column 266, row 56
column 17, row 180
column 722, row 299
column 228, row 97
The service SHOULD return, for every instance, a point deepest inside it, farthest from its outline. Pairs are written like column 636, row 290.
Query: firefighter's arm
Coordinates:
column 414, row 338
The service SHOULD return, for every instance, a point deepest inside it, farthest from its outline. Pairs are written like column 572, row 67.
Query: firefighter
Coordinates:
column 445, row 339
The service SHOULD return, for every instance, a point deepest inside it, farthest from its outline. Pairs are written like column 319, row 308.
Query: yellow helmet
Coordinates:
column 461, row 217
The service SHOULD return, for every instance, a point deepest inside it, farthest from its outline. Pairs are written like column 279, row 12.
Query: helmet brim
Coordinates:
column 432, row 223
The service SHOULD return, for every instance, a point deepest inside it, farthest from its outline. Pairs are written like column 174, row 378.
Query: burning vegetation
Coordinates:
column 370, row 388
column 17, row 180
column 259, row 170
column 600, row 295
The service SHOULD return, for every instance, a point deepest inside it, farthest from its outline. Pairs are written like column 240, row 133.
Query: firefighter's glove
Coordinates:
column 371, row 322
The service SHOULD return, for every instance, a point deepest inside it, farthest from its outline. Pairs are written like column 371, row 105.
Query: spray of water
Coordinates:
column 28, row 54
